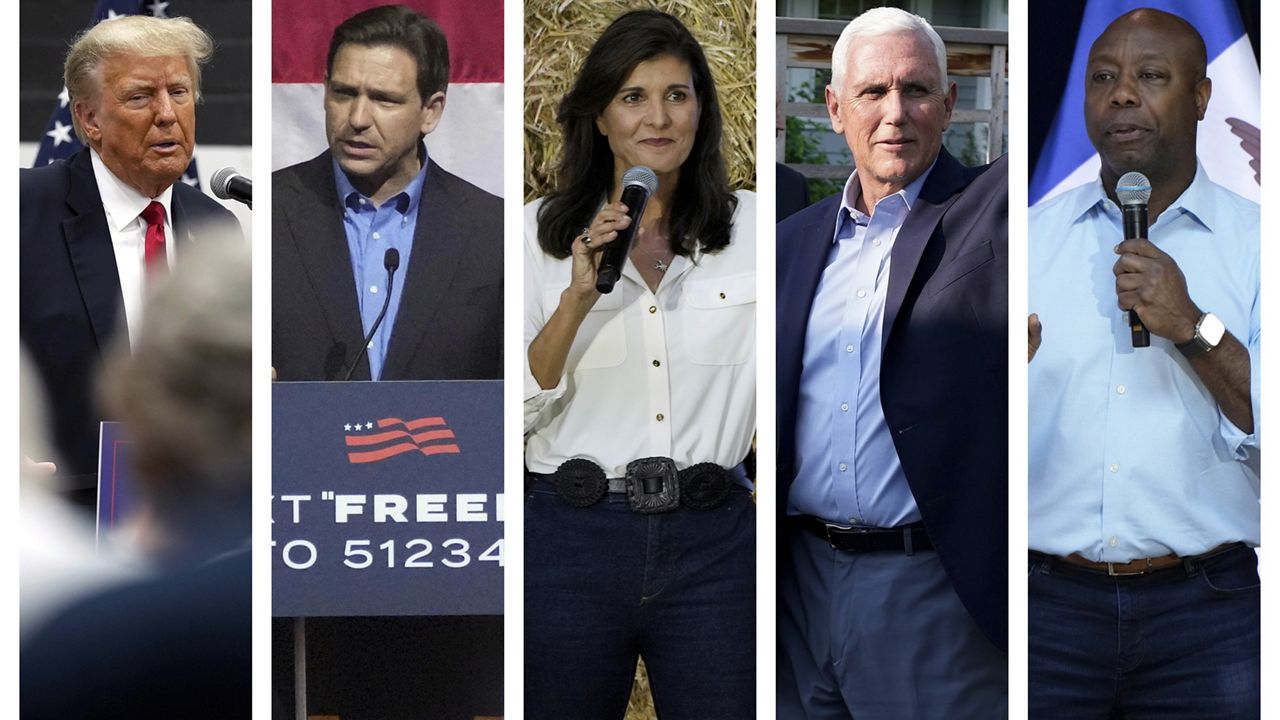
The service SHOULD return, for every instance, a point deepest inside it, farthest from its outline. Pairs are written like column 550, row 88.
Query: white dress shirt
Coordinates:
column 671, row 373
column 124, row 207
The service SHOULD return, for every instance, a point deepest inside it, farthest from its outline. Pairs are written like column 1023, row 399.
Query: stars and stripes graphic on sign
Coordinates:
column 59, row 140
column 375, row 440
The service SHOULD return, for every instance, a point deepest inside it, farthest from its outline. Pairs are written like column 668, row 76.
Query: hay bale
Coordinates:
column 558, row 34
column 640, row 705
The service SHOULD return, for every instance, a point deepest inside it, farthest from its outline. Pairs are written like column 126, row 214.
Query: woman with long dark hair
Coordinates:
column 640, row 403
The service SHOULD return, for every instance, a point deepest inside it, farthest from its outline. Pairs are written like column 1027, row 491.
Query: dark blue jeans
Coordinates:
column 603, row 585
column 1179, row 643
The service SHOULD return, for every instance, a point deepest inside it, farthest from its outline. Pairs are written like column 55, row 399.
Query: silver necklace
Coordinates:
column 658, row 263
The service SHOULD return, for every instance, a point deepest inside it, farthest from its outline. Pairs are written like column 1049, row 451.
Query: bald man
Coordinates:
column 1143, row 596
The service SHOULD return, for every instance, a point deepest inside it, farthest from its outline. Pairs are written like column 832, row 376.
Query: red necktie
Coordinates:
column 154, row 247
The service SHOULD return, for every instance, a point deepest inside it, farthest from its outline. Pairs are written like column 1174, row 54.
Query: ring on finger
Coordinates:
column 585, row 236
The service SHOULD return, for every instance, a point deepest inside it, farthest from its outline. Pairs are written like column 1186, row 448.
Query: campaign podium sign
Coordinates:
column 387, row 498
column 117, row 486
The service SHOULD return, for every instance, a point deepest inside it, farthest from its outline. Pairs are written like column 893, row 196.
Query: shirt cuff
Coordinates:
column 536, row 398
column 1238, row 441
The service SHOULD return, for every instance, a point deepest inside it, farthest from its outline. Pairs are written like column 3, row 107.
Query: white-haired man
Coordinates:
column 98, row 227
column 892, row 315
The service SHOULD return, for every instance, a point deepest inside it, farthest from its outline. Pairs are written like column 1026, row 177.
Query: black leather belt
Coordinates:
column 652, row 485
column 859, row 539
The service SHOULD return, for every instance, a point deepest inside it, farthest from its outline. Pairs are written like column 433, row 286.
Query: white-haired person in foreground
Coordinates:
column 177, row 642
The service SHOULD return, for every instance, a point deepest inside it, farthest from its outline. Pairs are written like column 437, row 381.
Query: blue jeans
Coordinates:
column 604, row 585
column 1178, row 643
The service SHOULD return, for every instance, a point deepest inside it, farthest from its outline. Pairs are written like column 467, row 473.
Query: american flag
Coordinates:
column 59, row 140
column 375, row 440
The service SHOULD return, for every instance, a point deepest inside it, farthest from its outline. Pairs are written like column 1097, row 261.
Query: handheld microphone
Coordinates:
column 390, row 261
column 638, row 184
column 1134, row 191
column 231, row 185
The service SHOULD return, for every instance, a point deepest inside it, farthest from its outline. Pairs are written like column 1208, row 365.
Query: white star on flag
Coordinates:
column 64, row 97
column 347, row 427
column 157, row 8
column 113, row 15
column 368, row 426
column 60, row 133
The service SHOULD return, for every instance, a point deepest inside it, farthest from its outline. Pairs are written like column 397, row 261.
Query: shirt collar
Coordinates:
column 1196, row 200
column 122, row 203
column 852, row 187
column 405, row 202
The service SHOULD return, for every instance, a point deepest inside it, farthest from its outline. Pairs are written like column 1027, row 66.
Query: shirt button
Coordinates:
column 1115, row 468
column 876, row 243
column 661, row 417
column 843, row 467
column 848, row 348
column 862, row 293
column 844, row 407
column 653, row 309
column 373, row 289
column 1113, row 541
column 721, row 296
column 363, row 201
column 1120, row 390
column 656, row 363
column 376, row 236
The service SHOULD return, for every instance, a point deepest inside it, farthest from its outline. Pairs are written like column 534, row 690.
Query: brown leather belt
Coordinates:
column 1141, row 566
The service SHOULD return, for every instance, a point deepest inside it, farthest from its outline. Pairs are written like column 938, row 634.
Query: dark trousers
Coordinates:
column 1178, row 643
column 604, row 585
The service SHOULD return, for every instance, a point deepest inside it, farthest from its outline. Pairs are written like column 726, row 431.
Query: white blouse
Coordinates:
column 671, row 373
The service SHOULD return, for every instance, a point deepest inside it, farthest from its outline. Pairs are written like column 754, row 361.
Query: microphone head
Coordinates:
column 1133, row 188
column 221, row 182
column 391, row 259
column 641, row 176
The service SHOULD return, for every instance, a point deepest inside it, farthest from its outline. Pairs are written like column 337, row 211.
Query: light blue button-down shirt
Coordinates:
column 847, row 468
column 370, row 232
column 1129, row 455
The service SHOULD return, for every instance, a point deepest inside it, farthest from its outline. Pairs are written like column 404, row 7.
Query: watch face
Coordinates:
column 1211, row 329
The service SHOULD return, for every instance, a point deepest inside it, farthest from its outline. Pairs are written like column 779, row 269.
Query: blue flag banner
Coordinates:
column 1229, row 137
column 59, row 140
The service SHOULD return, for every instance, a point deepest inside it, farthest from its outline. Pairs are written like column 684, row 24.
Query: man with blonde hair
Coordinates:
column 892, row 412
column 98, row 228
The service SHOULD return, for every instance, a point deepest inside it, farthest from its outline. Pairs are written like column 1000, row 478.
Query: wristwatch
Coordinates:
column 1209, row 332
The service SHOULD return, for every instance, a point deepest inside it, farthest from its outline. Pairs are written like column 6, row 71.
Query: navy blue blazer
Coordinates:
column 943, row 373
column 71, row 303
column 449, row 326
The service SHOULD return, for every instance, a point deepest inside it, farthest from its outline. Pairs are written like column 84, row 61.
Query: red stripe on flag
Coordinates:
column 301, row 29
column 400, row 449
column 360, row 440
column 412, row 424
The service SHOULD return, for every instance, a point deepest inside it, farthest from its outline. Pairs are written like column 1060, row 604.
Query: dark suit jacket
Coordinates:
column 71, row 303
column 449, row 325
column 943, row 373
column 792, row 192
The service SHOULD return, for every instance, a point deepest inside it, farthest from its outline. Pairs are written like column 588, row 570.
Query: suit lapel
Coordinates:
column 938, row 193
column 92, row 256
column 315, row 219
column 437, row 251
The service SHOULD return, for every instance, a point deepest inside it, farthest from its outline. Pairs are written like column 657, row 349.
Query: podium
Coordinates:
column 387, row 498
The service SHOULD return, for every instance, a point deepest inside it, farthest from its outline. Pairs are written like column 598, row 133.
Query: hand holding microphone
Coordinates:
column 600, row 251
column 1149, row 284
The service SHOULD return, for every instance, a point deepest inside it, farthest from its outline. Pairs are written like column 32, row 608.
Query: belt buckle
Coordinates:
column 653, row 485
column 1111, row 570
column 848, row 529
